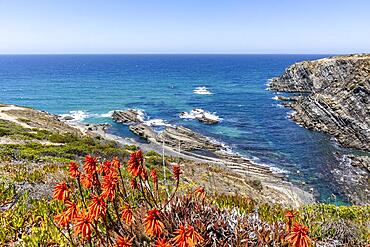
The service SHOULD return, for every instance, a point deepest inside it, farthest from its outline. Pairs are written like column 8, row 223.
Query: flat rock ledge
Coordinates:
column 175, row 137
column 190, row 143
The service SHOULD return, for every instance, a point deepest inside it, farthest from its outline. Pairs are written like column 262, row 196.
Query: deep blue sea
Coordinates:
column 253, row 123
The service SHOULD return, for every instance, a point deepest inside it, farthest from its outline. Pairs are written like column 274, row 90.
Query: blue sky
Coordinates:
column 184, row 26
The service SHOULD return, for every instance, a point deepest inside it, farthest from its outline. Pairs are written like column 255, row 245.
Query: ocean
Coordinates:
column 230, row 87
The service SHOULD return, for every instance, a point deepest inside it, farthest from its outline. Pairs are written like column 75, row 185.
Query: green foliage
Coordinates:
column 29, row 221
column 7, row 192
column 244, row 204
column 72, row 149
column 8, row 128
column 152, row 153
column 131, row 147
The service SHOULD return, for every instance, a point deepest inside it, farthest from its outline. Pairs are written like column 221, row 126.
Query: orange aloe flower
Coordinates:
column 153, row 225
column 62, row 219
column 116, row 164
column 71, row 211
column 90, row 164
column 162, row 242
column 176, row 171
column 83, row 225
column 186, row 237
column 109, row 186
column 194, row 235
column 200, row 192
column 73, row 170
column 87, row 180
column 97, row 208
column 61, row 192
column 124, row 242
column 289, row 214
column 153, row 174
column 135, row 163
column 298, row 236
column 127, row 214
column 104, row 167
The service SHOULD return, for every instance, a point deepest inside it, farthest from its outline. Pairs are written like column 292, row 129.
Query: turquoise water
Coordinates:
column 162, row 85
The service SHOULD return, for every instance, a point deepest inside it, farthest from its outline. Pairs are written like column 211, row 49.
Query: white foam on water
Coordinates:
column 108, row 114
column 268, row 82
column 157, row 122
column 78, row 116
column 272, row 167
column 81, row 115
column 202, row 90
column 199, row 113
column 141, row 115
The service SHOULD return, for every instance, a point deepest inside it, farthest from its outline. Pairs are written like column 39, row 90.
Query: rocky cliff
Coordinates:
column 336, row 97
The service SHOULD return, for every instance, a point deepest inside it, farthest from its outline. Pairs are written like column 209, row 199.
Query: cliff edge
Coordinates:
column 336, row 97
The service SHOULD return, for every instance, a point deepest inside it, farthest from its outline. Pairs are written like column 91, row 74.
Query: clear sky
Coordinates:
column 184, row 26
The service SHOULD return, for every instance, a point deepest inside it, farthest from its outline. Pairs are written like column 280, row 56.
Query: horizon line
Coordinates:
column 179, row 53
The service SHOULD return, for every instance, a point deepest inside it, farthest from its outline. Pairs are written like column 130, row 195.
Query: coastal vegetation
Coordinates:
column 34, row 160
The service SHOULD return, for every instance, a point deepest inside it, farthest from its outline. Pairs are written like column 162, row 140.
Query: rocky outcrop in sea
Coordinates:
column 172, row 136
column 191, row 143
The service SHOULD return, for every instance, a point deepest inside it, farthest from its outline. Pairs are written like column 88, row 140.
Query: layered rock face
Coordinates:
column 336, row 97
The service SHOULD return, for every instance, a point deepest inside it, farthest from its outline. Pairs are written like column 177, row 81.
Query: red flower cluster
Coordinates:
column 109, row 185
column 97, row 208
column 90, row 164
column 154, row 176
column 101, row 192
column 83, row 225
column 186, row 237
column 153, row 225
column 162, row 242
column 127, row 214
column 61, row 192
column 124, row 242
column 298, row 236
column 176, row 170
column 73, row 170
column 200, row 192
column 104, row 168
column 135, row 164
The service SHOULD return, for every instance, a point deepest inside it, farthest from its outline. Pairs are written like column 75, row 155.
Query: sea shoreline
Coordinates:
column 229, row 177
column 270, row 179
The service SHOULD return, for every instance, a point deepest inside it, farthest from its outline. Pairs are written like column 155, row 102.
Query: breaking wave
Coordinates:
column 199, row 113
column 202, row 90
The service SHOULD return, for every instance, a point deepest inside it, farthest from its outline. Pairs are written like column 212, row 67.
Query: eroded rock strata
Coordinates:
column 337, row 99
